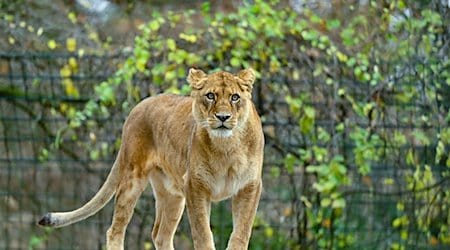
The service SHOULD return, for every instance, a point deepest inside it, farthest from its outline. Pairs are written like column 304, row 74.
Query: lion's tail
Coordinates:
column 106, row 192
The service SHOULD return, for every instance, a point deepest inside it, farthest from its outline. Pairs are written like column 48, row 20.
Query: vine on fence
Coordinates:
column 272, row 38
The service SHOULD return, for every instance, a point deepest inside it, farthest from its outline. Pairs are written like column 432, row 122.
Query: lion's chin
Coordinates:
column 221, row 132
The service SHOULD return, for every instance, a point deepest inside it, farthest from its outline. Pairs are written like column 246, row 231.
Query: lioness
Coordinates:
column 193, row 150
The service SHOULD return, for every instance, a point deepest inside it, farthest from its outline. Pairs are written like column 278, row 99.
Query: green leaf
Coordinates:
column 440, row 151
column 348, row 36
column 325, row 202
column 205, row 7
column 323, row 135
column 295, row 104
column 154, row 25
column 94, row 154
column 397, row 222
column 322, row 170
column 410, row 159
column 105, row 92
column 325, row 186
column 170, row 75
column 306, row 125
column 399, row 138
column 35, row 242
column 171, row 44
column 421, row 137
column 309, row 112
column 445, row 135
column 338, row 203
column 333, row 24
column 235, row 62
column 289, row 162
column 275, row 172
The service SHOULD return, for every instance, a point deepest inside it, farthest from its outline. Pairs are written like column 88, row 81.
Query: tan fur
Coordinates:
column 190, row 157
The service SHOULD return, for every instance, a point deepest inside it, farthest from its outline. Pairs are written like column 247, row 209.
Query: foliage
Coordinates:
column 416, row 39
column 378, row 52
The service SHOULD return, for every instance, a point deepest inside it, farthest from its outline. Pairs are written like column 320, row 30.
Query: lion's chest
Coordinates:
column 229, row 179
column 225, row 168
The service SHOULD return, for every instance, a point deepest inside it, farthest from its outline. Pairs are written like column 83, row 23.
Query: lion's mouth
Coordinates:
column 223, row 127
column 222, row 131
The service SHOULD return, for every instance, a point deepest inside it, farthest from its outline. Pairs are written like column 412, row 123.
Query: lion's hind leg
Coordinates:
column 169, row 210
column 128, row 192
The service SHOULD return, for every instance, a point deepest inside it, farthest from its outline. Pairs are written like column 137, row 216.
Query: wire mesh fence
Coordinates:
column 34, row 102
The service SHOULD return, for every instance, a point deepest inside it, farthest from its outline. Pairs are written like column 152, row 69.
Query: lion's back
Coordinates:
column 165, row 112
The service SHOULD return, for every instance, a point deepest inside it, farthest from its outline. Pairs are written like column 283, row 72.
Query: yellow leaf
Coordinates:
column 141, row 65
column 287, row 211
column 63, row 107
column 400, row 206
column 296, row 75
column 71, row 90
column 341, row 56
column 305, row 201
column 65, row 71
column 326, row 223
column 433, row 241
column 40, row 31
column 189, row 38
column 397, row 222
column 93, row 36
column 388, row 181
column 397, row 246
column 268, row 231
column 400, row 221
column 81, row 52
column 9, row 18
column 73, row 64
column 148, row 246
column 71, row 44
column 72, row 17
column 51, row 44
column 11, row 40
column 404, row 235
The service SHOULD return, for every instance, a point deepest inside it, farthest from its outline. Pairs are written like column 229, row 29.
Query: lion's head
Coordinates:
column 222, row 101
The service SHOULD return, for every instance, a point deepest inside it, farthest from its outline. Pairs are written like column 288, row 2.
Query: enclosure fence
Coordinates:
column 35, row 178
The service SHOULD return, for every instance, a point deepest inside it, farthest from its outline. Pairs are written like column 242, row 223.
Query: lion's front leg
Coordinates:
column 199, row 207
column 244, row 205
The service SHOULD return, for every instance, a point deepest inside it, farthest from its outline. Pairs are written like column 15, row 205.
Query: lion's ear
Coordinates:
column 195, row 78
column 248, row 78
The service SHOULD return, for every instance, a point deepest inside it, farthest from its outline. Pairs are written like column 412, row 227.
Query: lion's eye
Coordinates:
column 210, row 96
column 235, row 97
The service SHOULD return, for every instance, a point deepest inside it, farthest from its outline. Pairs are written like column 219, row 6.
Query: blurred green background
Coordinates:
column 354, row 96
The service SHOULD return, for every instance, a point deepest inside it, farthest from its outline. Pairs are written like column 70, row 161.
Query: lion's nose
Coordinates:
column 223, row 117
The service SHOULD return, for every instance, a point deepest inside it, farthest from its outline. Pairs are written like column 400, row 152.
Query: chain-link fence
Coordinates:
column 35, row 178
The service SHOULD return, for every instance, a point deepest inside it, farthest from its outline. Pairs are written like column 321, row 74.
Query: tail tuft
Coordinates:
column 106, row 192
column 46, row 221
